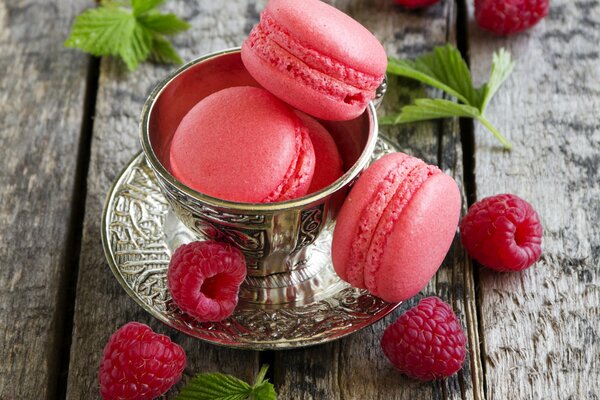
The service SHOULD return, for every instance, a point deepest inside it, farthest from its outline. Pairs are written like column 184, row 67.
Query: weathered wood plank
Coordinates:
column 42, row 89
column 102, row 304
column 540, row 327
column 355, row 367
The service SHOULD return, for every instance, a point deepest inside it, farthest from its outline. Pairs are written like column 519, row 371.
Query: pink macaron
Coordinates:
column 243, row 144
column 396, row 227
column 316, row 58
column 328, row 162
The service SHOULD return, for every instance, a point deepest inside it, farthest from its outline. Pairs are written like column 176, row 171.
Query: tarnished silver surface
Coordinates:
column 307, row 306
column 274, row 237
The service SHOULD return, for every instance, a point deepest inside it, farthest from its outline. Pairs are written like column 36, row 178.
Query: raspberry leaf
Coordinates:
column 217, row 386
column 502, row 66
column 445, row 69
column 426, row 109
column 142, row 6
column 133, row 34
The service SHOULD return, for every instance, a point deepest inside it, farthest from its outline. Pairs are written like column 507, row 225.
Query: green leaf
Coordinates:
column 101, row 31
column 264, row 391
column 133, row 35
column 426, row 109
column 215, row 386
column 142, row 6
column 443, row 68
column 138, row 49
column 164, row 52
column 166, row 24
column 502, row 66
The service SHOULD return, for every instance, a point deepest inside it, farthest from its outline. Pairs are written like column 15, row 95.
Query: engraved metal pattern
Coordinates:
column 311, row 222
column 139, row 233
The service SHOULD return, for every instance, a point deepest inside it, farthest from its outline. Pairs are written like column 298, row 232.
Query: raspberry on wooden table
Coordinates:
column 415, row 3
column 502, row 232
column 504, row 17
column 139, row 364
column 426, row 342
column 204, row 279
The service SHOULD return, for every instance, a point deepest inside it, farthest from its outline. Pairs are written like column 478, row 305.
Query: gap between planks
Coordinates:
column 67, row 287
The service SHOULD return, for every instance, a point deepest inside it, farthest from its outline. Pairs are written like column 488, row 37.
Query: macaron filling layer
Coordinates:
column 273, row 45
column 315, row 59
column 300, row 171
column 369, row 219
column 411, row 183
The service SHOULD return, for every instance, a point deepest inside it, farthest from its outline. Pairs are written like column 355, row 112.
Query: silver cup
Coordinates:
column 274, row 237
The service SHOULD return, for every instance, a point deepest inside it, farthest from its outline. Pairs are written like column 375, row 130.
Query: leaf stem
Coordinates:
column 261, row 375
column 495, row 132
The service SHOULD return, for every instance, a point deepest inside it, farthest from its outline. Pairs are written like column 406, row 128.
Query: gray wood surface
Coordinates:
column 41, row 108
column 102, row 305
column 355, row 367
column 540, row 327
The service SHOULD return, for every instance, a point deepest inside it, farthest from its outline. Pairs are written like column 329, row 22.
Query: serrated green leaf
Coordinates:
column 443, row 68
column 426, row 109
column 138, row 48
column 502, row 66
column 164, row 52
column 142, row 6
column 131, row 34
column 264, row 391
column 215, row 386
column 102, row 31
column 166, row 24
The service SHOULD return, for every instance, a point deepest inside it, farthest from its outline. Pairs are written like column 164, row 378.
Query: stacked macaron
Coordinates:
column 249, row 144
column 254, row 145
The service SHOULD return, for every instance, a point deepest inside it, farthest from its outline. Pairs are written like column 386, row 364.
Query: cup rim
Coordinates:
column 165, row 175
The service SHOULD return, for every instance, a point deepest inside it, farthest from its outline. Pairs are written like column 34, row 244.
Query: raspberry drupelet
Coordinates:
column 426, row 342
column 502, row 232
column 505, row 17
column 139, row 364
column 204, row 279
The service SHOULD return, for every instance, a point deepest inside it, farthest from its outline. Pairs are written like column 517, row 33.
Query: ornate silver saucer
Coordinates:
column 139, row 233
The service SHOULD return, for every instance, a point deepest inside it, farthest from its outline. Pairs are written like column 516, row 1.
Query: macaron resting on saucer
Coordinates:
column 243, row 144
column 315, row 58
column 395, row 227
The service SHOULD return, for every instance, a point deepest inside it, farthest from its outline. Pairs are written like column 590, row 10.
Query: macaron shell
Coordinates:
column 307, row 97
column 331, row 32
column 221, row 137
column 419, row 240
column 361, row 212
column 328, row 163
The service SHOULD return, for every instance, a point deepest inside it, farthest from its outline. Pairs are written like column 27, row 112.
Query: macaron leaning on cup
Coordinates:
column 315, row 58
column 243, row 144
column 395, row 227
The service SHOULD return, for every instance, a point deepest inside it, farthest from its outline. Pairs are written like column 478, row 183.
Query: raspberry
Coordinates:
column 504, row 17
column 139, row 364
column 502, row 232
column 426, row 342
column 415, row 3
column 204, row 279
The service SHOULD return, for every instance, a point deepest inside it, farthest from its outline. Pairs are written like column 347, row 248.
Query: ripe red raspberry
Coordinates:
column 204, row 279
column 139, row 364
column 415, row 3
column 426, row 342
column 502, row 232
column 504, row 17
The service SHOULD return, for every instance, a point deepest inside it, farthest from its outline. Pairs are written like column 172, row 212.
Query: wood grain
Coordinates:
column 355, row 367
column 540, row 327
column 102, row 305
column 42, row 87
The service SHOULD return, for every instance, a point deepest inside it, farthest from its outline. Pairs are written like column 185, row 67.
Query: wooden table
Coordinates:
column 68, row 125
